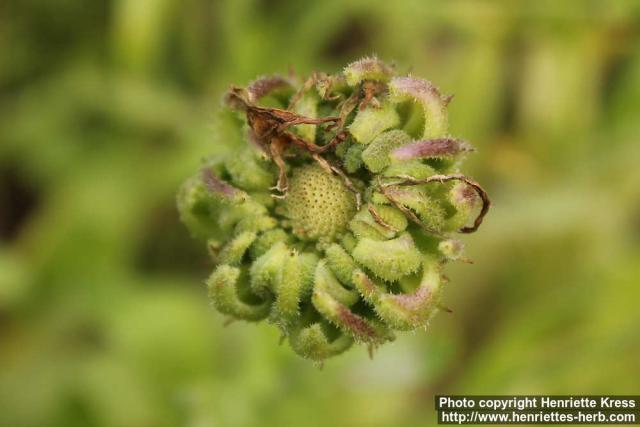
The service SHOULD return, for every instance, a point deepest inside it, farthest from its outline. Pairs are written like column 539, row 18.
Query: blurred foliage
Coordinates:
column 106, row 106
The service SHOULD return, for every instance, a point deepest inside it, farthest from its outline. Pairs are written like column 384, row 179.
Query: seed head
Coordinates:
column 334, row 217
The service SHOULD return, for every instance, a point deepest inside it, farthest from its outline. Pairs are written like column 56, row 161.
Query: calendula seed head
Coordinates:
column 332, row 215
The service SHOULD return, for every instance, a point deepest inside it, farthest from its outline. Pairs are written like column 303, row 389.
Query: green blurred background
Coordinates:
column 106, row 106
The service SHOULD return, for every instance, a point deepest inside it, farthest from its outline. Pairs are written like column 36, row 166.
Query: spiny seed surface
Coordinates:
column 318, row 204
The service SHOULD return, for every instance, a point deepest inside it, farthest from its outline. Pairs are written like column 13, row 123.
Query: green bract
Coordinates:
column 332, row 216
